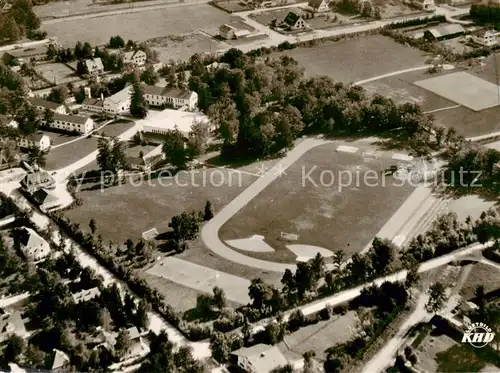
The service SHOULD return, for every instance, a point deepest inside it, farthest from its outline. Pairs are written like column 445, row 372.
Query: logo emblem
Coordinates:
column 478, row 335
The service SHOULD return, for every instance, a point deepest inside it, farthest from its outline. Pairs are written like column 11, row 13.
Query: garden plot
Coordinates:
column 57, row 73
column 465, row 89
column 202, row 278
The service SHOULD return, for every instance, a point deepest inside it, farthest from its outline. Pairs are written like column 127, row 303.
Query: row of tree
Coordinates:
column 18, row 21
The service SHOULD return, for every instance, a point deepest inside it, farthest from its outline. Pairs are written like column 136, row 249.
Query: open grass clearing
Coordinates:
column 429, row 349
column 116, row 128
column 57, row 138
column 460, row 358
column 322, row 212
column 341, row 60
column 66, row 155
column 480, row 274
column 127, row 210
column 138, row 26
column 320, row 336
column 57, row 73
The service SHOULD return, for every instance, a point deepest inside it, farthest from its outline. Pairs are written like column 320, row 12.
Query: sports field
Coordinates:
column 329, row 199
column 464, row 89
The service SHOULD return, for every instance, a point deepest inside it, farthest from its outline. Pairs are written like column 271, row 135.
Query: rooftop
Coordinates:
column 446, row 30
column 29, row 238
column 263, row 358
column 36, row 137
column 71, row 118
column 168, row 119
column 85, row 295
column 94, row 64
column 35, row 101
column 91, row 101
column 291, row 18
column 43, row 196
column 167, row 92
column 122, row 95
column 39, row 177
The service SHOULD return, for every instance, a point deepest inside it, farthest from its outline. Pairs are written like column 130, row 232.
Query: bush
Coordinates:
column 340, row 310
column 326, row 313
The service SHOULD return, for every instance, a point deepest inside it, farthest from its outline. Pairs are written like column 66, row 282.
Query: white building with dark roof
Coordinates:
column 176, row 98
column 33, row 246
column 85, row 295
column 93, row 104
column 72, row 123
column 35, row 140
column 319, row 6
column 119, row 103
column 37, row 180
column 486, row 38
column 43, row 105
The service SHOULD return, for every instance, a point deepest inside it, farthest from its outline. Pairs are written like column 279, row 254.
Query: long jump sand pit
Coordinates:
column 464, row 89
column 202, row 278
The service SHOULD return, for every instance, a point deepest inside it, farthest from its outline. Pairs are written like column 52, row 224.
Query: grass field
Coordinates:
column 341, row 61
column 322, row 214
column 138, row 26
column 480, row 274
column 58, row 138
column 58, row 73
column 127, row 210
column 68, row 154
column 318, row 337
column 117, row 128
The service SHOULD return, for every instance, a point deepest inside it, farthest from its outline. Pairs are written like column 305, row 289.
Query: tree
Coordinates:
column 309, row 361
column 366, row 9
column 480, row 299
column 138, row 104
column 15, row 347
column 219, row 298
column 185, row 226
column 123, row 343
column 209, row 211
column 198, row 138
column 36, row 156
column 92, row 226
column 382, row 255
column 9, row 29
column 81, row 68
column 174, row 148
column 437, row 298
column 412, row 277
column 116, row 42
column 220, row 347
column 48, row 117
column 142, row 315
column 150, row 76
column 105, row 319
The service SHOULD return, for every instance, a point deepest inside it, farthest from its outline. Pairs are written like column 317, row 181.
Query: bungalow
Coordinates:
column 218, row 65
column 85, row 295
column 138, row 347
column 144, row 164
column 45, row 199
column 293, row 22
column 37, row 180
column 137, row 57
column 260, row 358
column 428, row 5
column 176, row 98
column 119, row 103
column 43, row 105
column 94, row 66
column 58, row 361
column 33, row 246
column 93, row 104
column 444, row 32
column 319, row 6
column 72, row 123
column 486, row 38
column 11, row 324
column 232, row 31
column 36, row 140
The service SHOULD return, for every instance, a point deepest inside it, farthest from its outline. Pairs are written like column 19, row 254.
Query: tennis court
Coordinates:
column 465, row 89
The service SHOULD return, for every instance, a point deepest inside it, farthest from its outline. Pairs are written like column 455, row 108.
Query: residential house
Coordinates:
column 138, row 347
column 45, row 199
column 137, row 58
column 260, row 358
column 218, row 65
column 33, row 246
column 93, row 104
column 319, row 6
column 486, row 38
column 35, row 140
column 119, row 103
column 8, row 122
column 37, row 180
column 444, row 32
column 233, row 31
column 22, row 55
column 428, row 5
column 144, row 164
column 94, row 66
column 11, row 324
column 43, row 105
column 293, row 22
column 176, row 98
column 85, row 295
column 150, row 234
column 72, row 123
column 58, row 361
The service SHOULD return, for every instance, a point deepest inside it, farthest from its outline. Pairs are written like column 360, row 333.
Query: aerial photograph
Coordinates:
column 250, row 186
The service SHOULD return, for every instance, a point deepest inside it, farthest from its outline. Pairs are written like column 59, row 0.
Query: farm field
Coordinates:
column 340, row 60
column 322, row 213
column 160, row 22
column 68, row 154
column 58, row 73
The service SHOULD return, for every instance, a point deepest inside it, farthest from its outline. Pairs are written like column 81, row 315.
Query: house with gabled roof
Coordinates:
column 43, row 105
column 58, row 361
column 137, row 57
column 37, row 140
column 119, row 103
column 37, row 180
column 486, row 38
column 319, row 6
column 32, row 245
column 94, row 65
column 176, row 98
column 260, row 358
column 45, row 199
column 293, row 22
column 85, row 295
